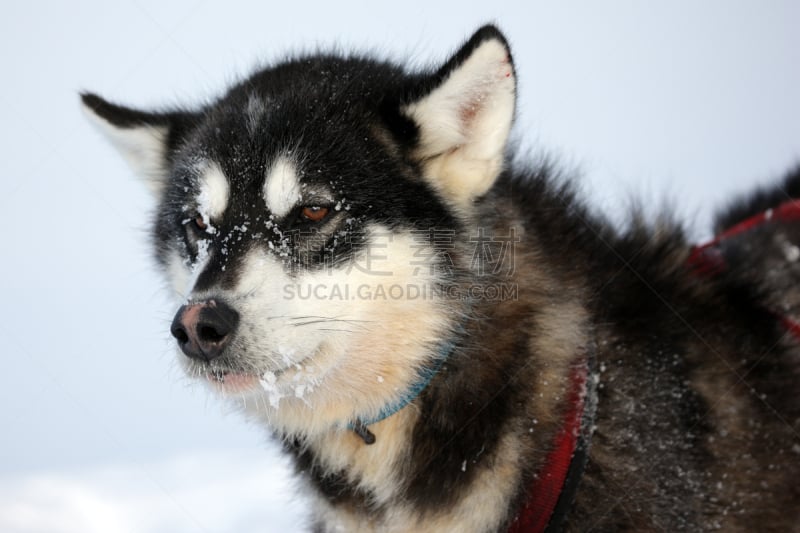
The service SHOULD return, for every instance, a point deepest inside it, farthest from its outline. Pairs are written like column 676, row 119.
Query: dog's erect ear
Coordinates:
column 464, row 114
column 144, row 139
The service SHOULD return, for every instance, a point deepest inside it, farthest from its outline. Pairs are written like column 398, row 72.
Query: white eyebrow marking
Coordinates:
column 214, row 190
column 282, row 188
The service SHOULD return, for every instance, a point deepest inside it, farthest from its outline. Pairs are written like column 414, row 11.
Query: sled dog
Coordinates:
column 445, row 338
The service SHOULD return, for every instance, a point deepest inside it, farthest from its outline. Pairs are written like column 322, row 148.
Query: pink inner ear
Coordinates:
column 468, row 112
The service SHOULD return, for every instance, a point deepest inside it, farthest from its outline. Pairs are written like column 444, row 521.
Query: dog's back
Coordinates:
column 699, row 415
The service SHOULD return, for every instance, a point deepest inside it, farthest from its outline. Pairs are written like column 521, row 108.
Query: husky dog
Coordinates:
column 446, row 339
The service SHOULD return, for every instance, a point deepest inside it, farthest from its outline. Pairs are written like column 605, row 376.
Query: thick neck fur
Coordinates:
column 474, row 428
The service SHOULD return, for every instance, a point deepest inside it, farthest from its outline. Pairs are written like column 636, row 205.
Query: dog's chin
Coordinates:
column 291, row 379
column 227, row 382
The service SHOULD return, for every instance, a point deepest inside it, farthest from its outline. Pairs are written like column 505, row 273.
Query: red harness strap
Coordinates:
column 547, row 502
column 548, row 484
column 706, row 260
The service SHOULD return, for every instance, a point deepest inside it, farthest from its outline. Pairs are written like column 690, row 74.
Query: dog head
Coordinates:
column 310, row 222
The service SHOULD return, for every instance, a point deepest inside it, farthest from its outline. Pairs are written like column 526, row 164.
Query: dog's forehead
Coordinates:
column 292, row 134
column 278, row 184
column 259, row 142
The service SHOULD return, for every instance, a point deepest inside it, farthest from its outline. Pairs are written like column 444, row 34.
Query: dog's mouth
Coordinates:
column 233, row 381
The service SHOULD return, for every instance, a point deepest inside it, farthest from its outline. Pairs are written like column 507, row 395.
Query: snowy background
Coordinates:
column 693, row 101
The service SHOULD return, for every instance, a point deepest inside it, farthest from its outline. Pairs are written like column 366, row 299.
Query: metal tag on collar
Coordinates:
column 361, row 430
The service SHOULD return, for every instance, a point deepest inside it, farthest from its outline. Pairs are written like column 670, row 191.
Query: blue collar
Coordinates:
column 426, row 374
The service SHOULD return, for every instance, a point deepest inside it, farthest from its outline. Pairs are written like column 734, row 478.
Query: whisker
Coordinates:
column 299, row 317
column 329, row 320
column 316, row 322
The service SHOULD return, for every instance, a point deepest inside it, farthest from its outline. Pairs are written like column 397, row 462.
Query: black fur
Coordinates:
column 180, row 123
column 760, row 201
column 698, row 418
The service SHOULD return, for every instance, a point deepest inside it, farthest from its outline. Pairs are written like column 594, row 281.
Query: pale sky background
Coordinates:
column 694, row 101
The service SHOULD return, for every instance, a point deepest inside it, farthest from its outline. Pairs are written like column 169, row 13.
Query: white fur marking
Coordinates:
column 324, row 360
column 213, row 198
column 282, row 187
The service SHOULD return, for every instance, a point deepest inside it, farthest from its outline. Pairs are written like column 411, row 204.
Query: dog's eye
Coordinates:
column 314, row 213
column 199, row 223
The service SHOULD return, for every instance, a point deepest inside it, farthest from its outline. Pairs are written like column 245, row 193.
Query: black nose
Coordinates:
column 203, row 329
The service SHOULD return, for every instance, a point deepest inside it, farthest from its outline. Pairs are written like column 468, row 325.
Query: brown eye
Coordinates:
column 314, row 213
column 199, row 223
